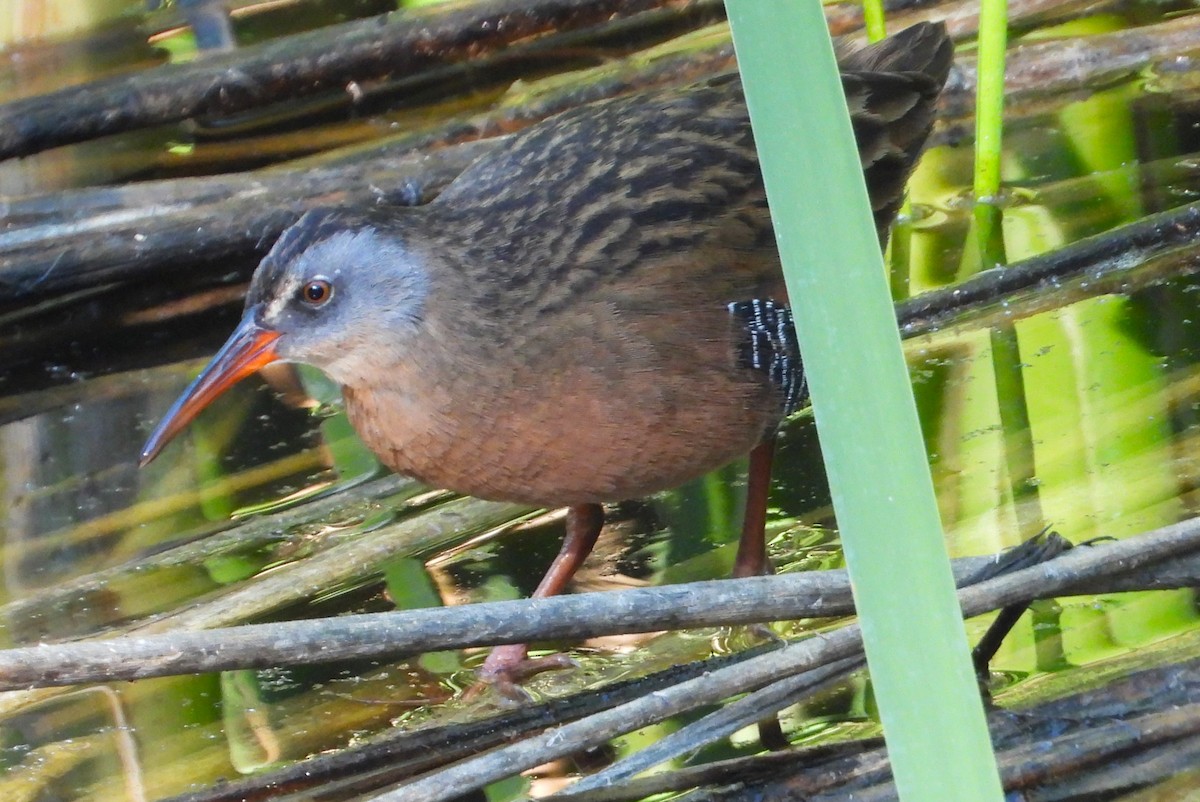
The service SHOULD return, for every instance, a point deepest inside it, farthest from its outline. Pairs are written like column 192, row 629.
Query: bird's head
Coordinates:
column 339, row 290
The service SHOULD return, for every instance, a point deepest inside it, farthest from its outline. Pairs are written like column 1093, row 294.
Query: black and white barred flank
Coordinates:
column 770, row 346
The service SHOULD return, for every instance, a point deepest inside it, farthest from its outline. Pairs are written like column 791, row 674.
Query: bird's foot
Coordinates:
column 765, row 634
column 510, row 665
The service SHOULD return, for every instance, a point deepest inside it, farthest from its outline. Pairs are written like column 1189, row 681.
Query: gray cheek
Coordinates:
column 349, row 366
column 290, row 349
column 310, row 347
column 327, row 340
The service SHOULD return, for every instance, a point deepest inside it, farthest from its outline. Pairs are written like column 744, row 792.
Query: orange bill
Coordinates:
column 249, row 348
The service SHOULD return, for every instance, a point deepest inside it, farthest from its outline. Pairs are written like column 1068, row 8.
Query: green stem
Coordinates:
column 989, row 97
column 873, row 20
column 1006, row 352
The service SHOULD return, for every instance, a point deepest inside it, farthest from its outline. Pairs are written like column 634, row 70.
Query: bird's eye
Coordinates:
column 316, row 292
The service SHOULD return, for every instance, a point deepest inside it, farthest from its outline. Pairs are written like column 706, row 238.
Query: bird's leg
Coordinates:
column 752, row 559
column 508, row 665
column 752, row 548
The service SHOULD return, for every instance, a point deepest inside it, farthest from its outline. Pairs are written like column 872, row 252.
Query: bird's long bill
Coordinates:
column 249, row 348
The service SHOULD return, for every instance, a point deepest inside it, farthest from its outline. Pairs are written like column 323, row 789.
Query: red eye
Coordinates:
column 316, row 292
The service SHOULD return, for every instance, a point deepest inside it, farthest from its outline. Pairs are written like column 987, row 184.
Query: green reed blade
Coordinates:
column 883, row 496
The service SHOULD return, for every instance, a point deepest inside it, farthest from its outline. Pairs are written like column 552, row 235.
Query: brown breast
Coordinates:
column 617, row 410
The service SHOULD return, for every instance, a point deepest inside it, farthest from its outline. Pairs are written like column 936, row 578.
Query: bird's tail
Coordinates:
column 892, row 87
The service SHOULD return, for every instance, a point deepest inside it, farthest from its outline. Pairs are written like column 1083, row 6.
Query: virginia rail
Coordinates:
column 592, row 312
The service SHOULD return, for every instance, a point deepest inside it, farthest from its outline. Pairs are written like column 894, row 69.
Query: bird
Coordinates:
column 594, row 311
